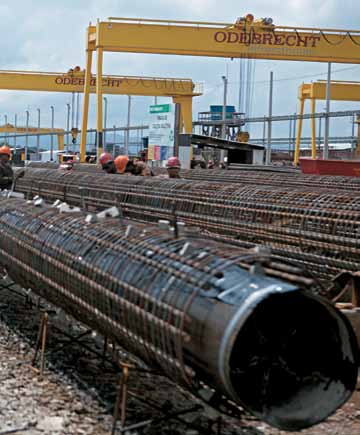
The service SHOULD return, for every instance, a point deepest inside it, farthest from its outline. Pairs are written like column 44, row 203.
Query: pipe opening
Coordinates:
column 295, row 361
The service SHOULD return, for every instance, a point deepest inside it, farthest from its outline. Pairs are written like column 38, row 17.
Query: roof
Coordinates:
column 215, row 142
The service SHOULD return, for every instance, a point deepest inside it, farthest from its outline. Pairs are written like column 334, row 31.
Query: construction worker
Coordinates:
column 173, row 167
column 121, row 163
column 67, row 166
column 132, row 167
column 6, row 172
column 106, row 161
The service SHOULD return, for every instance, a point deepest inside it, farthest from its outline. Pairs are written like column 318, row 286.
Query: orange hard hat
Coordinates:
column 173, row 162
column 105, row 158
column 120, row 163
column 5, row 150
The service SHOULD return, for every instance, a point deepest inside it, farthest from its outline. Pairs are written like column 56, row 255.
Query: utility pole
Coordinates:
column 72, row 109
column 6, row 132
column 268, row 149
column 327, row 118
column 290, row 133
column 353, row 142
column 114, row 127
column 127, row 136
column 67, row 126
column 223, row 126
column 52, row 134
column 27, row 134
column 105, row 120
column 38, row 136
column 15, row 131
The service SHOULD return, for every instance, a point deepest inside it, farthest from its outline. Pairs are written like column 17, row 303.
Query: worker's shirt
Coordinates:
column 145, row 169
column 6, row 175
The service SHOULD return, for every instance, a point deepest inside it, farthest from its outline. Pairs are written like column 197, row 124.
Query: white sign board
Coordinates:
column 161, row 131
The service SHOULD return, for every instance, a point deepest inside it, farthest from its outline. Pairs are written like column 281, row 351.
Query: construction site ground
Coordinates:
column 77, row 393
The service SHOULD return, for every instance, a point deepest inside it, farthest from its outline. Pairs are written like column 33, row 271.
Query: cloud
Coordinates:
column 50, row 36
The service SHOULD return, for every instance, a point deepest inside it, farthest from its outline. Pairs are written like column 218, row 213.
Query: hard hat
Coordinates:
column 120, row 163
column 173, row 162
column 5, row 150
column 105, row 158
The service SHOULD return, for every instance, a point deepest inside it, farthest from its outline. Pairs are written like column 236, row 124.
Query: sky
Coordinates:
column 43, row 35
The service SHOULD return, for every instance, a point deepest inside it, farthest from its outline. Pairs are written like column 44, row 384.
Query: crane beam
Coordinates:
column 254, row 41
column 111, row 84
column 246, row 38
column 339, row 91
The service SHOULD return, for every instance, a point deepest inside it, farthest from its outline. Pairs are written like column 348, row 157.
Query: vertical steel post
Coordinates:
column 313, row 129
column 15, row 131
column 67, row 126
column 114, row 127
column 127, row 135
column 353, row 142
column 290, row 133
column 327, row 119
column 52, row 134
column 264, row 131
column 105, row 120
column 299, row 129
column 293, row 133
column 223, row 125
column 38, row 136
column 268, row 149
column 319, row 138
column 77, row 109
column 72, row 109
column 27, row 134
column 6, row 132
column 99, row 96
column 85, row 114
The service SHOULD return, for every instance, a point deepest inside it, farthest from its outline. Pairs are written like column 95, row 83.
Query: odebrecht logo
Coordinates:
column 266, row 38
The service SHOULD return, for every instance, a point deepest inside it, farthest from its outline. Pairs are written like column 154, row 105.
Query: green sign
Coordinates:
column 160, row 108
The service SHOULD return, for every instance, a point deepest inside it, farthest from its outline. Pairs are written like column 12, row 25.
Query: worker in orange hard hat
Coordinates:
column 120, row 164
column 173, row 167
column 134, row 166
column 6, row 172
column 106, row 161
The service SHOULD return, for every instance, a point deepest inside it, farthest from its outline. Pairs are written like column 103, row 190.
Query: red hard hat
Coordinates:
column 5, row 150
column 105, row 158
column 173, row 162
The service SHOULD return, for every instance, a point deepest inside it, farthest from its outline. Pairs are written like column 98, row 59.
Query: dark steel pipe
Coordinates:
column 315, row 230
column 198, row 310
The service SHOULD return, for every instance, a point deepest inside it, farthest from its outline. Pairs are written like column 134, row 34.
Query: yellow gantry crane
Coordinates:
column 181, row 90
column 246, row 38
column 60, row 132
column 339, row 91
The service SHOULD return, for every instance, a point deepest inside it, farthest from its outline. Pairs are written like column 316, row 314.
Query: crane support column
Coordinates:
column 85, row 106
column 299, row 129
column 60, row 142
column 313, row 129
column 99, row 95
column 185, row 113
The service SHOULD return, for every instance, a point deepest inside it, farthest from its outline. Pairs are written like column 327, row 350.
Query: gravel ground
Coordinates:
column 77, row 393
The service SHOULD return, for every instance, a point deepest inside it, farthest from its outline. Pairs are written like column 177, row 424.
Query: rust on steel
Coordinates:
column 194, row 308
column 316, row 229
